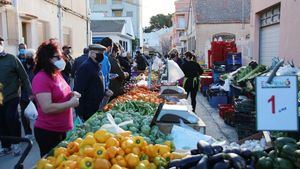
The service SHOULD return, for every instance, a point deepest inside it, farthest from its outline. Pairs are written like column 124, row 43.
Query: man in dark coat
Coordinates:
column 89, row 83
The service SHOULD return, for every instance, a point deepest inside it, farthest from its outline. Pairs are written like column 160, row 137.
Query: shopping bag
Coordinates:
column 113, row 127
column 31, row 112
column 174, row 72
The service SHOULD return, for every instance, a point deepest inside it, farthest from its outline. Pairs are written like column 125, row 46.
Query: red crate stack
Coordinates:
column 219, row 51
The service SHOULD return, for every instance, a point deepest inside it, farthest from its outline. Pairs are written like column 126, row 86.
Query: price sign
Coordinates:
column 277, row 103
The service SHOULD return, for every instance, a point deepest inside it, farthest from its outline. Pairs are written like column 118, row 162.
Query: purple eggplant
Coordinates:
column 217, row 149
column 237, row 161
column 186, row 163
column 205, row 148
column 221, row 165
column 194, row 152
column 203, row 163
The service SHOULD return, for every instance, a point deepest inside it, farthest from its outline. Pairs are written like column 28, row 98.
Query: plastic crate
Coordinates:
column 223, row 108
column 214, row 101
column 229, row 118
column 203, row 90
column 245, row 118
column 206, row 80
column 244, row 131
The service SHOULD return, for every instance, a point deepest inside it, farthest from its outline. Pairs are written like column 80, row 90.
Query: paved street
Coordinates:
column 215, row 127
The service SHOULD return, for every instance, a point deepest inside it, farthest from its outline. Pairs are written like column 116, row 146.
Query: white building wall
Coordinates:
column 135, row 7
column 32, row 12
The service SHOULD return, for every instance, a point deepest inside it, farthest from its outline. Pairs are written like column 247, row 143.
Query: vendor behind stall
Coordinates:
column 90, row 83
column 192, row 70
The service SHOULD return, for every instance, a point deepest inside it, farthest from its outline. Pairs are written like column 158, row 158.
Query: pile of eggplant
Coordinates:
column 207, row 156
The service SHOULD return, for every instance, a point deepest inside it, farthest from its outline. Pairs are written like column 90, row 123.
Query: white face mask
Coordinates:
column 60, row 64
column 1, row 48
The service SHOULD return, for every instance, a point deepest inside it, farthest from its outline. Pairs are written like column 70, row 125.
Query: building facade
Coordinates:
column 119, row 8
column 156, row 40
column 180, row 20
column 209, row 20
column 119, row 30
column 274, row 30
column 34, row 21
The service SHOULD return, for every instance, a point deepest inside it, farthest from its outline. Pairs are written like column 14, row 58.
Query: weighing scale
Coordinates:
column 173, row 113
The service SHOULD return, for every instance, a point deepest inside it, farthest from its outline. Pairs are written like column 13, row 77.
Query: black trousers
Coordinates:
column 9, row 121
column 47, row 140
column 25, row 121
column 192, row 89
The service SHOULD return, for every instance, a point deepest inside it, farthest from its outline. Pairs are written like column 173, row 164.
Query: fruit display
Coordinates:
column 103, row 150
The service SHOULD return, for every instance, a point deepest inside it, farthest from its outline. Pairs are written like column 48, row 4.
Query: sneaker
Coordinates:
column 16, row 150
column 5, row 151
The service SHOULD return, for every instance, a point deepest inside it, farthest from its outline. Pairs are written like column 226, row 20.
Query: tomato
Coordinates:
column 73, row 147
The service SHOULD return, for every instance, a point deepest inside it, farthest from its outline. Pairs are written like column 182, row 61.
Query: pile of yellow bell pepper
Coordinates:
column 103, row 150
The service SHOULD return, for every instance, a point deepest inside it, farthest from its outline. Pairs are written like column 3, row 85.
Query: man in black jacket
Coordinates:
column 89, row 83
column 12, row 77
column 78, row 61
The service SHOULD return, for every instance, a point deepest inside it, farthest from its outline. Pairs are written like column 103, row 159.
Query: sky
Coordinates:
column 153, row 7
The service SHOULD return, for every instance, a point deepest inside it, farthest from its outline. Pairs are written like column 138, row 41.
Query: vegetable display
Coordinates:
column 138, row 93
column 103, row 150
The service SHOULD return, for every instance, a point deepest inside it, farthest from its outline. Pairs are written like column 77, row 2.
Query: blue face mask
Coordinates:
column 22, row 51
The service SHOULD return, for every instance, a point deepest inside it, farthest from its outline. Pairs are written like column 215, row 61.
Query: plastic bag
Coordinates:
column 174, row 72
column 157, row 64
column 31, row 112
column 113, row 127
column 180, row 133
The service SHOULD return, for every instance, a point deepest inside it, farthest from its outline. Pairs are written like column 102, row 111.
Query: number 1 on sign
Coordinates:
column 272, row 99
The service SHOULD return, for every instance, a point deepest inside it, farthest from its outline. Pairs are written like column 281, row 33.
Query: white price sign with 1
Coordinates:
column 277, row 103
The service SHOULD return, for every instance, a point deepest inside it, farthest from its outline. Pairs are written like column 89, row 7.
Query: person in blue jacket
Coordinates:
column 89, row 83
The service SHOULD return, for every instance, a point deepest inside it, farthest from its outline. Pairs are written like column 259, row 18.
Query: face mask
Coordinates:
column 1, row 48
column 22, row 51
column 99, row 57
column 60, row 64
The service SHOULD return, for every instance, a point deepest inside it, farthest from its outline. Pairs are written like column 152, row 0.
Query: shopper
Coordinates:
column 124, row 61
column 12, row 77
column 78, row 61
column 69, row 63
column 116, row 84
column 22, row 51
column 192, row 71
column 140, row 61
column 174, row 55
column 53, row 96
column 29, row 66
column 105, row 68
column 89, row 83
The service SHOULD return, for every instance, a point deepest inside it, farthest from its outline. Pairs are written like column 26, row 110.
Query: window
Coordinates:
column 270, row 17
column 181, row 33
column 181, row 22
column 117, row 13
column 41, row 31
column 66, row 36
column 25, row 32
column 129, row 14
column 101, row 2
column 117, row 1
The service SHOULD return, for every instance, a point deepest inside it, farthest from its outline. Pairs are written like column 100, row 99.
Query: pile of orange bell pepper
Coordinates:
column 103, row 150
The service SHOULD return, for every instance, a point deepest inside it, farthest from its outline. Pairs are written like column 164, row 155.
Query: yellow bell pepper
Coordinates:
column 162, row 149
column 86, row 163
column 141, row 166
column 168, row 156
column 136, row 151
column 59, row 150
column 138, row 141
column 48, row 166
column 102, row 135
column 132, row 160
column 121, row 161
column 116, row 166
column 153, row 166
column 59, row 159
column 100, row 151
column 41, row 163
column 88, row 140
column 170, row 144
column 178, row 155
